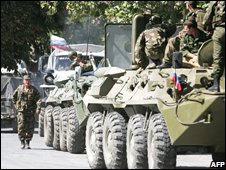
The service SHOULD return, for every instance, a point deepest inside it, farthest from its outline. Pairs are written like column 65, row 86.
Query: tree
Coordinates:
column 25, row 28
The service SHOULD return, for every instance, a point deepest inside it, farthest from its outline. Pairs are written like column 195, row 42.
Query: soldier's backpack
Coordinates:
column 155, row 43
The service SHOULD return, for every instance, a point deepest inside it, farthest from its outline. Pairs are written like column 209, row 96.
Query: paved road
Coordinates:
column 43, row 157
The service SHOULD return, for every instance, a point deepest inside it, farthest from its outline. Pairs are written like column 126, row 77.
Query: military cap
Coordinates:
column 73, row 55
column 26, row 77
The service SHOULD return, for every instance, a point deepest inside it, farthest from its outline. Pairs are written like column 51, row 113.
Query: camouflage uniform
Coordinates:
column 172, row 46
column 217, row 9
column 174, row 43
column 198, row 16
column 189, row 44
column 216, row 15
column 143, row 52
column 26, row 103
column 86, row 67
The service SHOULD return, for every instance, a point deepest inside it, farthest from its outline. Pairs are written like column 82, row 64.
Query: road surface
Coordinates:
column 42, row 157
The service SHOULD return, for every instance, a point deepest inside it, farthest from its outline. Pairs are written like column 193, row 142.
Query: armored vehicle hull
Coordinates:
column 143, row 118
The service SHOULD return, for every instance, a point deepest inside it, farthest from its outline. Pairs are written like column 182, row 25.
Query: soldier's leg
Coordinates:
column 21, row 129
column 30, row 125
column 172, row 46
column 218, row 57
column 218, row 50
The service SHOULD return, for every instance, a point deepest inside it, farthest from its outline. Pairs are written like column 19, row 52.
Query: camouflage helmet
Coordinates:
column 73, row 55
column 26, row 77
column 155, row 19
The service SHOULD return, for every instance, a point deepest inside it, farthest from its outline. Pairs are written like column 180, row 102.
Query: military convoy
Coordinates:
column 143, row 118
column 63, row 116
column 128, row 117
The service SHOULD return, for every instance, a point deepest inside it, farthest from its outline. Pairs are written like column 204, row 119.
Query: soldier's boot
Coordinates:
column 164, row 65
column 22, row 144
column 215, row 87
column 28, row 144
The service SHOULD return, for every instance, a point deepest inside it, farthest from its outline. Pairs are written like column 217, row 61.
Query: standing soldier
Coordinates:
column 27, row 101
column 216, row 15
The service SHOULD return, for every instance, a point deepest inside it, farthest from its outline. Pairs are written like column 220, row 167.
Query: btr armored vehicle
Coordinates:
column 143, row 118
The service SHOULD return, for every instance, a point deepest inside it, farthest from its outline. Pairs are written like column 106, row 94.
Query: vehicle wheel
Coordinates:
column 41, row 122
column 114, row 141
column 63, row 129
column 136, row 143
column 219, row 157
column 48, row 126
column 75, row 134
column 56, row 123
column 161, row 154
column 14, row 125
column 94, row 136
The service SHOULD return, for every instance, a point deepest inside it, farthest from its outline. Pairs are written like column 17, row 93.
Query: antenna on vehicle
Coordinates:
column 87, row 46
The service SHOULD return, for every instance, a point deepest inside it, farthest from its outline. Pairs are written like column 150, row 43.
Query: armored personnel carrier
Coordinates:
column 65, row 114
column 143, row 118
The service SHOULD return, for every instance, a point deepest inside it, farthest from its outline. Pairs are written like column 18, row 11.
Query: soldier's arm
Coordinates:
column 87, row 67
column 183, row 46
column 207, row 20
column 139, row 48
column 15, row 96
column 38, row 99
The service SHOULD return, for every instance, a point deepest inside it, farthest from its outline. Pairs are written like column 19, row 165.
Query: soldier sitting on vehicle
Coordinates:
column 78, row 60
column 150, row 44
column 189, row 44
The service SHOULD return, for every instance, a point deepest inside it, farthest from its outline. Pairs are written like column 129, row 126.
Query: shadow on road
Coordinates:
column 41, row 148
column 9, row 130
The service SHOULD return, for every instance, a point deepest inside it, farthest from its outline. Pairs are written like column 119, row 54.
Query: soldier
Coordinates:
column 173, row 44
column 195, row 13
column 217, row 9
column 27, row 101
column 189, row 43
column 150, row 44
column 79, row 61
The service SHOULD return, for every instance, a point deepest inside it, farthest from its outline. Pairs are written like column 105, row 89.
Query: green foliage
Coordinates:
column 26, row 25
column 25, row 31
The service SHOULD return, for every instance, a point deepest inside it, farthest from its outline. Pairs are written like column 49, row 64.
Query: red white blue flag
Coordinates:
column 58, row 43
column 176, row 81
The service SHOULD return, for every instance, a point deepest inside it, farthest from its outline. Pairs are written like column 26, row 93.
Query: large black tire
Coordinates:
column 94, row 136
column 161, row 154
column 114, row 141
column 56, row 123
column 136, row 143
column 218, row 156
column 63, row 129
column 75, row 134
column 41, row 122
column 48, row 126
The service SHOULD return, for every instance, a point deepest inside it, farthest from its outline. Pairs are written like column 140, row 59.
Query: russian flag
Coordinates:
column 176, row 81
column 178, row 85
column 58, row 43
